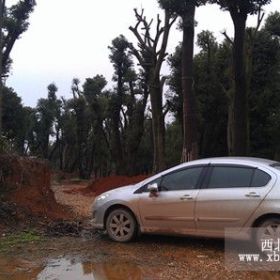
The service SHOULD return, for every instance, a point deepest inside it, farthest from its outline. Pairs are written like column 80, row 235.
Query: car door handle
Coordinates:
column 252, row 194
column 186, row 197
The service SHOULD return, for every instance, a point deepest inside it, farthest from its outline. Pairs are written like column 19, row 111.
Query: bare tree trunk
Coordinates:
column 190, row 144
column 240, row 99
column 136, row 116
column 249, row 65
column 61, row 148
column 158, row 126
column 230, row 129
column 116, row 136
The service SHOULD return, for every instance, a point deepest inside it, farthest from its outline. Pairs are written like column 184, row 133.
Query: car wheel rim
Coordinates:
column 120, row 226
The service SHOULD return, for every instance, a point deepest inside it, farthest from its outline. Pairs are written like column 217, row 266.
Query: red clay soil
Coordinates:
column 108, row 183
column 26, row 182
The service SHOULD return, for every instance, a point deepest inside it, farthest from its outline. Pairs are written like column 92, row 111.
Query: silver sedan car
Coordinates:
column 202, row 198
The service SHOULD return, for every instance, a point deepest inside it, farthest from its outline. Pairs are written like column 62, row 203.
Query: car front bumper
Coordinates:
column 98, row 217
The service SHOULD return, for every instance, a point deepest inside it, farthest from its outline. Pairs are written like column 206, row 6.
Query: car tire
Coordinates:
column 267, row 229
column 121, row 225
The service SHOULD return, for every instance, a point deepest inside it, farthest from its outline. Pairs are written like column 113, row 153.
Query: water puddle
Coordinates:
column 69, row 269
column 65, row 269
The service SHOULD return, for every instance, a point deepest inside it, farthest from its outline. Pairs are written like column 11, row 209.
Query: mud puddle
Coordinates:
column 68, row 268
column 76, row 259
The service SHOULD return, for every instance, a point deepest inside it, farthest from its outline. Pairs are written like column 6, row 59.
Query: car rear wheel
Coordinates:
column 268, row 230
column 121, row 225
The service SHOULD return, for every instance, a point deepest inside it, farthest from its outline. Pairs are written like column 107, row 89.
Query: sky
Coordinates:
column 68, row 38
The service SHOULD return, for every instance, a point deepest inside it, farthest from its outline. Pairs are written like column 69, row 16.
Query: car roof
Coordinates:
column 233, row 160
column 251, row 161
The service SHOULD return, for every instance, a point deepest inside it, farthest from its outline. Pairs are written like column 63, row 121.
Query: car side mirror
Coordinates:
column 153, row 189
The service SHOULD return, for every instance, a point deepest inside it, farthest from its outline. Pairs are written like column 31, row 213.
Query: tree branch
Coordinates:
column 227, row 37
column 166, row 108
column 162, row 54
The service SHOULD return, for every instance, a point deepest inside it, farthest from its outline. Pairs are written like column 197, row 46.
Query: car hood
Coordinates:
column 122, row 190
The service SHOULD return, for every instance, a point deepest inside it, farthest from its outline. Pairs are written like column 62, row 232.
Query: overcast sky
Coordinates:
column 70, row 38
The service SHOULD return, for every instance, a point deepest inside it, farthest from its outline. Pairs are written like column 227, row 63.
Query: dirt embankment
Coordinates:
column 25, row 190
column 108, row 183
column 26, row 194
column 79, row 195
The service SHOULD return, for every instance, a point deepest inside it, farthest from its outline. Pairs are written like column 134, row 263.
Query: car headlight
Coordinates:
column 102, row 197
column 98, row 201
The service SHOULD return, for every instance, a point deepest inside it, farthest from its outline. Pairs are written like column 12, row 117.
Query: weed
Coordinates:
column 12, row 240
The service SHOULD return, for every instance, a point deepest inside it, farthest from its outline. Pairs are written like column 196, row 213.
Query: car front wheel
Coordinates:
column 121, row 225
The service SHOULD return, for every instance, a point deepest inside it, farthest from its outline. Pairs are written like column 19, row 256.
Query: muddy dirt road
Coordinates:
column 151, row 257
column 94, row 256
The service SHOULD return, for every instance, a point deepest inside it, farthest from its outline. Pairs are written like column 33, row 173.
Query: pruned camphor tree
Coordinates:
column 239, row 11
column 186, row 11
column 151, row 55
column 122, row 63
column 47, row 111
column 127, row 106
column 250, row 37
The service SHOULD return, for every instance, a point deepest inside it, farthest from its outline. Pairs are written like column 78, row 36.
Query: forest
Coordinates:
column 223, row 100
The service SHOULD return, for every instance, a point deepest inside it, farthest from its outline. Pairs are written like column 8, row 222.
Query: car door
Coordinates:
column 229, row 197
column 172, row 210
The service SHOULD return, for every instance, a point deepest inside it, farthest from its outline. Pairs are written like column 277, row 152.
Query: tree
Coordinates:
column 150, row 55
column 135, row 101
column 211, row 100
column 68, row 139
column 86, row 113
column 78, row 103
column 99, row 152
column 46, row 109
column 272, row 24
column 210, row 76
column 264, row 98
column 15, row 120
column 186, row 10
column 13, row 22
column 175, row 94
column 239, row 11
column 122, row 63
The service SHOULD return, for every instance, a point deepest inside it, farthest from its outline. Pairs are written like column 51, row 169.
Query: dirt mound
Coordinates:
column 108, row 183
column 25, row 182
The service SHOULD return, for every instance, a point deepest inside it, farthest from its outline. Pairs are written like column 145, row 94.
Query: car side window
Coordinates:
column 260, row 178
column 230, row 177
column 185, row 179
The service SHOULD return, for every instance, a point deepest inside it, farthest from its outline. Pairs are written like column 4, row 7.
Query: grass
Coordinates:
column 15, row 239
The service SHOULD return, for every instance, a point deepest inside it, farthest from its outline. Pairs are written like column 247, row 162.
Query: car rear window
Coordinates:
column 260, row 178
column 230, row 177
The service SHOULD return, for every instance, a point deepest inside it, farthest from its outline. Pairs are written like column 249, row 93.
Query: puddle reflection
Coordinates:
column 69, row 269
column 65, row 269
